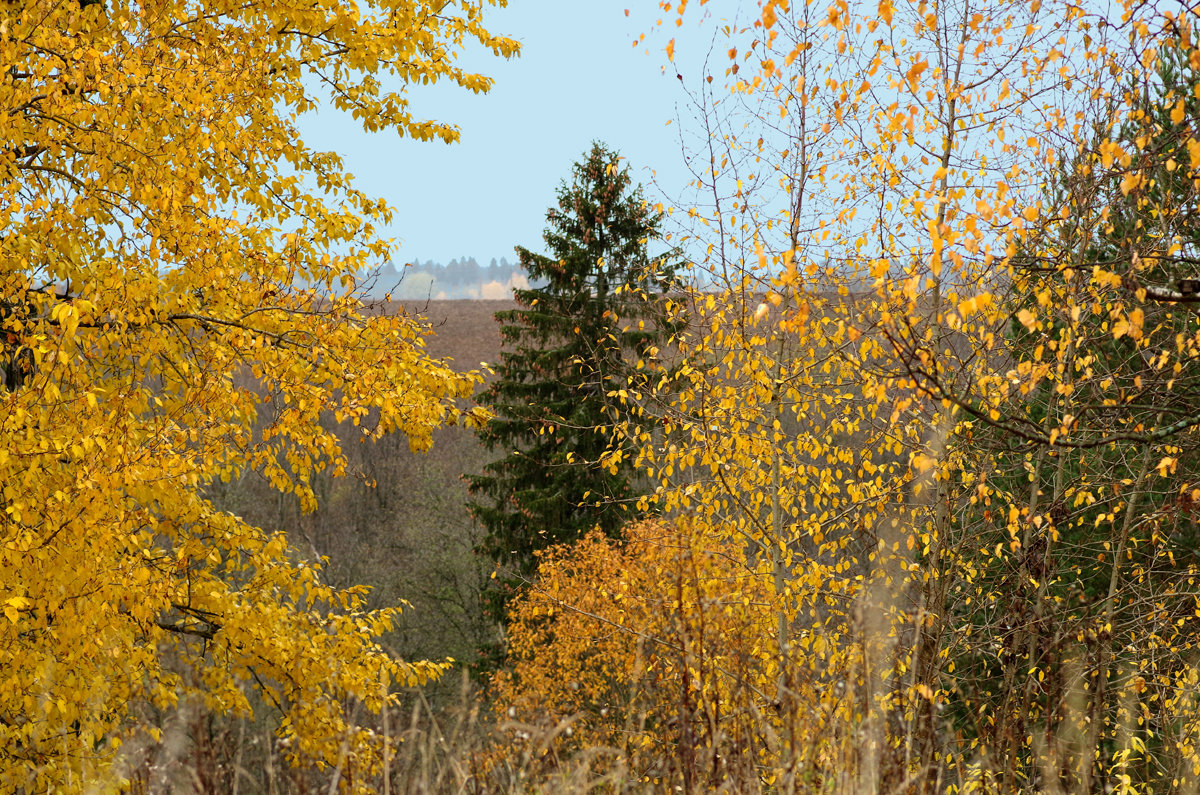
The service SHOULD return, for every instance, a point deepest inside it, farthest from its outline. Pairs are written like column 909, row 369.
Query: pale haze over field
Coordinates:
column 579, row 78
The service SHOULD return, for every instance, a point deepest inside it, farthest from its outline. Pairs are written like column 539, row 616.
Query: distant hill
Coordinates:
column 464, row 331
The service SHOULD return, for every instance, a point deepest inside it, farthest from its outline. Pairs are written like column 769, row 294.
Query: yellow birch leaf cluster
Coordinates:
column 178, row 305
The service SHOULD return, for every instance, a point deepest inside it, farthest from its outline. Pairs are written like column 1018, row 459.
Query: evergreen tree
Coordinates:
column 568, row 344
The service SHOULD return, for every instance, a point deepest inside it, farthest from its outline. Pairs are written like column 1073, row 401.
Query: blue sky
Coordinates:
column 579, row 78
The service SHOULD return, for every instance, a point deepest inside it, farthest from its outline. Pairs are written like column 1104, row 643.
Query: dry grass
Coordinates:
column 460, row 749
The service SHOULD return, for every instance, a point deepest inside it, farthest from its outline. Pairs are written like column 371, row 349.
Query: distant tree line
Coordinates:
column 461, row 278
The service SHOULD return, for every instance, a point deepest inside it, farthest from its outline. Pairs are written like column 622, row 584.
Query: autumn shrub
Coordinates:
column 660, row 647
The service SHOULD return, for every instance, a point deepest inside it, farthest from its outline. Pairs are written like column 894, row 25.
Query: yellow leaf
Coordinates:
column 975, row 303
column 1129, row 325
column 923, row 463
column 13, row 607
column 914, row 73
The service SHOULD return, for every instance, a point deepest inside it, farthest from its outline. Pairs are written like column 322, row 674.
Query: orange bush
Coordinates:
column 660, row 649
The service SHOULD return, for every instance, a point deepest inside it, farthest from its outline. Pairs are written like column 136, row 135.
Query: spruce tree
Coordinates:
column 570, row 342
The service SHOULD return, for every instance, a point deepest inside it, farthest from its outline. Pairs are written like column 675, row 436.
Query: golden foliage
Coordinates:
column 660, row 648
column 177, row 305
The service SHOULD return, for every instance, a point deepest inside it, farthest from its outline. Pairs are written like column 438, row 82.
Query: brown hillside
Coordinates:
column 399, row 522
column 465, row 332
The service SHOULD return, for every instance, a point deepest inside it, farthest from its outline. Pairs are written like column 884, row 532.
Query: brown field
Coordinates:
column 465, row 332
